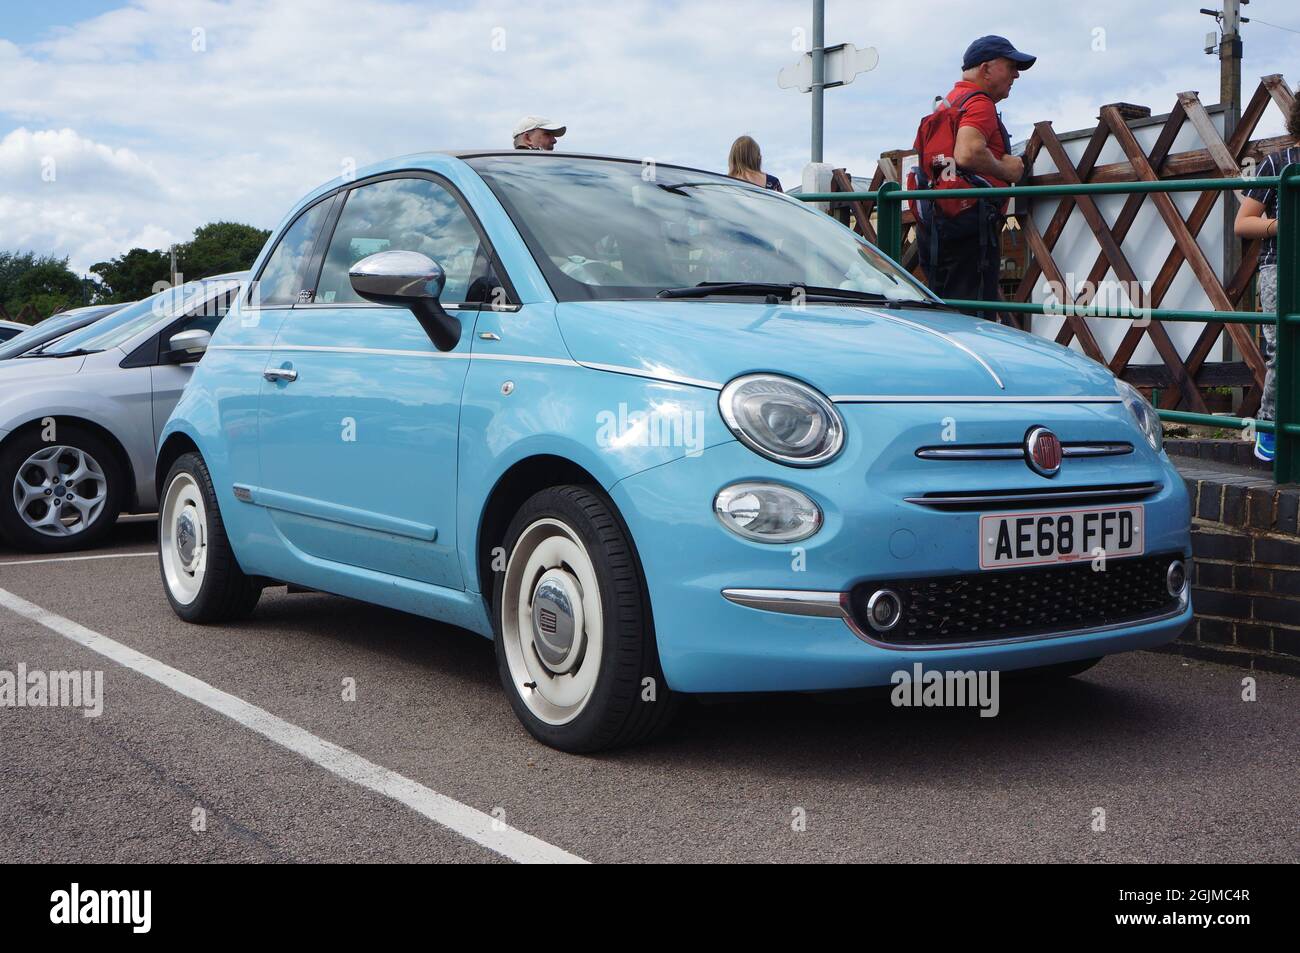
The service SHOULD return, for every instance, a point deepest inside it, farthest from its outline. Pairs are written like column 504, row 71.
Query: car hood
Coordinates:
column 841, row 350
column 23, row 371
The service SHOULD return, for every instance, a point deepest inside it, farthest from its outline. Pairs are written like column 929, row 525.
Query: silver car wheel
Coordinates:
column 183, row 541
column 552, row 625
column 60, row 491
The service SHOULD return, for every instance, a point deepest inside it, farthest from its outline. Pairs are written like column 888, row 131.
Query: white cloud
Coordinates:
column 168, row 137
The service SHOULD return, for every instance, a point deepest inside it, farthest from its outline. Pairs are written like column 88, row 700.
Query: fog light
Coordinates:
column 1176, row 578
column 767, row 512
column 884, row 609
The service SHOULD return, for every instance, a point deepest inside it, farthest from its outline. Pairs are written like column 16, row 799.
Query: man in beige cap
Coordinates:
column 534, row 132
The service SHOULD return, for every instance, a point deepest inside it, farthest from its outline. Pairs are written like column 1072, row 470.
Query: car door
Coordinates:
column 170, row 372
column 358, row 432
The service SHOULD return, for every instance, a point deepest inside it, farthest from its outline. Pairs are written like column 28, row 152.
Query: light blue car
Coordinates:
column 657, row 432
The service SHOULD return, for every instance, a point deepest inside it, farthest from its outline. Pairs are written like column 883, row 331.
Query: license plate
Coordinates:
column 1039, row 538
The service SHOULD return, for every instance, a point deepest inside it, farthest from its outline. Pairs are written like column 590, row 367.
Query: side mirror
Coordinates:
column 189, row 344
column 409, row 280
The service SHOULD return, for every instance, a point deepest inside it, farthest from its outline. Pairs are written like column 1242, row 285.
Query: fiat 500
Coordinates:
column 657, row 432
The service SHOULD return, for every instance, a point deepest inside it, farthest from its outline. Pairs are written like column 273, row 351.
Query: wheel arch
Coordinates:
column 121, row 457
column 177, row 444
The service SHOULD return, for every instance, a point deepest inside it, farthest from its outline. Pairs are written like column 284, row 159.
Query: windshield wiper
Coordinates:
column 786, row 291
column 78, row 352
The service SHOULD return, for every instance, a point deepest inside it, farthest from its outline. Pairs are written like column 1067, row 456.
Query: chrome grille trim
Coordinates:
column 1098, row 448
column 789, row 601
column 1119, row 492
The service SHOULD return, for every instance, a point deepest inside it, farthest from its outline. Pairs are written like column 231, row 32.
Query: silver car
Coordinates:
column 55, row 326
column 80, row 416
column 9, row 329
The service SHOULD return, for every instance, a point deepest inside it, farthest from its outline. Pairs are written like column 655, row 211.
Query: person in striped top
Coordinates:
column 1257, row 218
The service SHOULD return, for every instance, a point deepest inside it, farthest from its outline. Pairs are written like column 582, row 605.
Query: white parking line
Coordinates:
column 73, row 559
column 460, row 818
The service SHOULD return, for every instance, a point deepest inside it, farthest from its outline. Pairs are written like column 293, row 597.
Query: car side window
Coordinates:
column 206, row 316
column 406, row 214
column 282, row 277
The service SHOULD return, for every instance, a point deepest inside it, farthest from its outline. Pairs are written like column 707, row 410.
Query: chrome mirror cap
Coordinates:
column 408, row 279
column 397, row 277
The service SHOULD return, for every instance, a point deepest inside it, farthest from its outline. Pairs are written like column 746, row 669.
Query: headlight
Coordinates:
column 767, row 512
column 1148, row 420
column 782, row 419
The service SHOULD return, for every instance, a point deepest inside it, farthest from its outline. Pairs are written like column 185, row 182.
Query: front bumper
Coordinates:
column 710, row 643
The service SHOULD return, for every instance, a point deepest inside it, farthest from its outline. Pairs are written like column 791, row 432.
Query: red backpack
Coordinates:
column 936, row 168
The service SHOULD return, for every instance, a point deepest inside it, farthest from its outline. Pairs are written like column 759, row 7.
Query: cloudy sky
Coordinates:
column 129, row 123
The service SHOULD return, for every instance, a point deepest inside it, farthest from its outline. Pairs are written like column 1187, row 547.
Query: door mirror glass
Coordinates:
column 408, row 279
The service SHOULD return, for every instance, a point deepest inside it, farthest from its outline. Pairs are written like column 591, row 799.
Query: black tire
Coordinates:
column 1058, row 671
column 19, row 449
column 225, row 593
column 615, row 715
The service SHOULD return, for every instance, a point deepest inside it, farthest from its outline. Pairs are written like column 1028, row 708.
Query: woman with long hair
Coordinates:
column 746, row 162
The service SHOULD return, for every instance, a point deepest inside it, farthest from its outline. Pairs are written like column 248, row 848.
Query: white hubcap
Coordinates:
column 183, row 524
column 552, row 623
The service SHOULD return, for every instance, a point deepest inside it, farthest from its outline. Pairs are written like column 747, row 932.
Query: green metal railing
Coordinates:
column 889, row 200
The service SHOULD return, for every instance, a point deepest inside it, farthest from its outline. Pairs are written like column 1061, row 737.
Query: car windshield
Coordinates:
column 52, row 327
column 116, row 329
column 604, row 228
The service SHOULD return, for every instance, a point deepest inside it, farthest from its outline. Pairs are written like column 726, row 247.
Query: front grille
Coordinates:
column 964, row 501
column 1021, row 603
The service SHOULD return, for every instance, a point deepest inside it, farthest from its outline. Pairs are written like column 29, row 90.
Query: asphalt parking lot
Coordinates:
column 1184, row 769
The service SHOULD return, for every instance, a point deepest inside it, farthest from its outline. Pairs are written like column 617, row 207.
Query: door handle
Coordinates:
column 286, row 374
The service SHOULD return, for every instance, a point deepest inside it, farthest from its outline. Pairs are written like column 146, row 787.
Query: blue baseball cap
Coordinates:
column 990, row 48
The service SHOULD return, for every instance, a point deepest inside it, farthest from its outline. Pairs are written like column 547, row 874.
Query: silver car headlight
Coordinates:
column 767, row 512
column 1148, row 420
column 782, row 419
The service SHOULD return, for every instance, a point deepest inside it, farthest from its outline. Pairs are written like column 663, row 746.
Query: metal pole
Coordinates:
column 889, row 221
column 818, row 75
column 1286, row 463
column 1230, row 100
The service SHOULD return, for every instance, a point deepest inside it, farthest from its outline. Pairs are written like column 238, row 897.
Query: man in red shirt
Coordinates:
column 963, row 258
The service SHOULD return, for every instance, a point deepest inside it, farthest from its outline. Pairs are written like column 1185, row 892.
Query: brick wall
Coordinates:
column 1246, row 570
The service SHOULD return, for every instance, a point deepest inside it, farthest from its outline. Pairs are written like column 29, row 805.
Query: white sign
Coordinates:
column 840, row 63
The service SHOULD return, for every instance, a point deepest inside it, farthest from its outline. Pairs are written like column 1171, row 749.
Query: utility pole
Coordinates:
column 1229, row 50
column 818, row 75
column 172, row 250
column 1230, row 99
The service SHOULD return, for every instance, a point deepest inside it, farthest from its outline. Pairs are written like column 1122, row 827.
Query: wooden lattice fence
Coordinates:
column 1180, row 377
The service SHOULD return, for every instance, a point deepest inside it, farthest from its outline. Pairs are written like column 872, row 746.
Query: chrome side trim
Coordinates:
column 395, row 352
column 652, row 375
column 1064, row 493
column 789, row 601
column 474, row 356
column 813, row 603
column 1100, row 449
column 966, row 399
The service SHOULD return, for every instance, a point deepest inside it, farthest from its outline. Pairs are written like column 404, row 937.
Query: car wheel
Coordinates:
column 61, row 495
column 200, row 573
column 574, row 638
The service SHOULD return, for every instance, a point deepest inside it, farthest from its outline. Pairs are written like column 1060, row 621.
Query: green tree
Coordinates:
column 132, row 276
column 220, row 247
column 43, row 281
